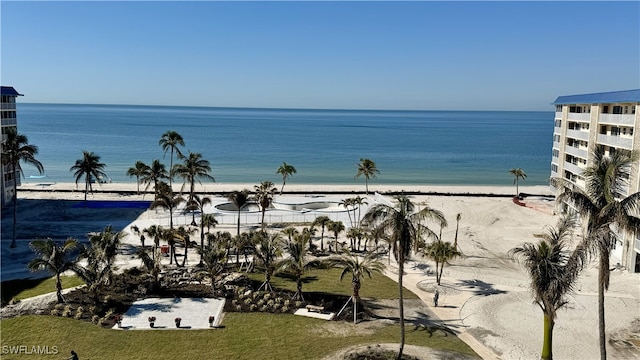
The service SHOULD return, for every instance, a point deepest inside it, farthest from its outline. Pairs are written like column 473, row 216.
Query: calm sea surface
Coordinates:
column 248, row 145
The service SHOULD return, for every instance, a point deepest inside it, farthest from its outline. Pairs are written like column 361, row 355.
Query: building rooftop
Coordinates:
column 632, row 96
column 9, row 91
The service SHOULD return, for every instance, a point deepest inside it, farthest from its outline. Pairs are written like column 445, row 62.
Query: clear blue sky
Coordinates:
column 346, row 55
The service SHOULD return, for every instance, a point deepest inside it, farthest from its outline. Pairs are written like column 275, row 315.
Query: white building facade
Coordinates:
column 9, row 119
column 611, row 119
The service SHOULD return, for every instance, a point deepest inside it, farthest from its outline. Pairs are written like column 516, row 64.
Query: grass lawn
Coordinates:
column 245, row 336
column 26, row 288
column 328, row 281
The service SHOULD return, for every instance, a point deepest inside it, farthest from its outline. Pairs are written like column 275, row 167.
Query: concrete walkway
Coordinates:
column 448, row 313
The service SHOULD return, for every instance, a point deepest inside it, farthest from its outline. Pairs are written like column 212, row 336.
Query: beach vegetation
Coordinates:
column 321, row 221
column 16, row 149
column 152, row 266
column 240, row 199
column 401, row 223
column 358, row 267
column 139, row 170
column 90, row 168
column 264, row 196
column 99, row 256
column 290, row 231
column 157, row 173
column 167, row 200
column 604, row 205
column 180, row 235
column 518, row 174
column 297, row 262
column 267, row 250
column 368, row 169
column 155, row 232
column 336, row 227
column 455, row 241
column 170, row 141
column 194, row 168
column 286, row 170
column 440, row 252
column 214, row 257
column 198, row 203
column 54, row 258
column 553, row 270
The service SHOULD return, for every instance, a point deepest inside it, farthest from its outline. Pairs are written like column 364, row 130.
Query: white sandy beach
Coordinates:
column 484, row 295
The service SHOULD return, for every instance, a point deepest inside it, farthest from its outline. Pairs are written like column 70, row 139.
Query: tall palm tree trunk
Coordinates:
column 15, row 207
column 401, row 303
column 601, row 287
column 547, row 349
column 59, row 288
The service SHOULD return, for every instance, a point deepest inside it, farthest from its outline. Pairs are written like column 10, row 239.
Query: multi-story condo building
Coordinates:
column 583, row 121
column 9, row 120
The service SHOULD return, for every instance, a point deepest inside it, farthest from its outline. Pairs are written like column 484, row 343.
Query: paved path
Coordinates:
column 448, row 313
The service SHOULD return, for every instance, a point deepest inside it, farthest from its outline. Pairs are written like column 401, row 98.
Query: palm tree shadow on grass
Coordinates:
column 480, row 287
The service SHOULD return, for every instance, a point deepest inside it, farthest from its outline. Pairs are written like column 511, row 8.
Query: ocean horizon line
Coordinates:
column 287, row 108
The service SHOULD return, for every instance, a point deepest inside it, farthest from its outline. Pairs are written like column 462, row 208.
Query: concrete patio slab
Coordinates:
column 194, row 313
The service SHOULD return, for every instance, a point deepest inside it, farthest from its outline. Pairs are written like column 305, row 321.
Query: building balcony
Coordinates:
column 576, row 152
column 8, row 106
column 615, row 141
column 573, row 168
column 578, row 134
column 10, row 122
column 558, row 114
column 637, row 245
column 554, row 174
column 617, row 119
column 584, row 117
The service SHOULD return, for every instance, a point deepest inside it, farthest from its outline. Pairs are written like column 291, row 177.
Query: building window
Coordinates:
column 617, row 109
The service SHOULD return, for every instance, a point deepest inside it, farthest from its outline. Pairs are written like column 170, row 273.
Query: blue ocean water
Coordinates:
column 247, row 145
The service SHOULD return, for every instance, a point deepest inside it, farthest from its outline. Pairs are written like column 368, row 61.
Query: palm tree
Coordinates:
column 604, row 204
column 90, row 168
column 323, row 221
column 264, row 196
column 155, row 232
column 166, row 199
column 100, row 258
column 336, row 227
column 151, row 264
column 400, row 222
column 193, row 169
column 348, row 204
column 16, row 149
column 54, row 258
column 183, row 235
column 297, row 262
column 215, row 260
column 358, row 267
column 367, row 168
column 285, row 170
column 440, row 252
column 553, row 270
column 455, row 241
column 157, row 172
column 140, row 169
column 267, row 250
column 240, row 199
column 208, row 220
column 290, row 231
column 170, row 140
column 517, row 173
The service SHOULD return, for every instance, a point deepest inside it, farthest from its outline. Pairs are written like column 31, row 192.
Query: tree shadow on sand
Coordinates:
column 479, row 287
